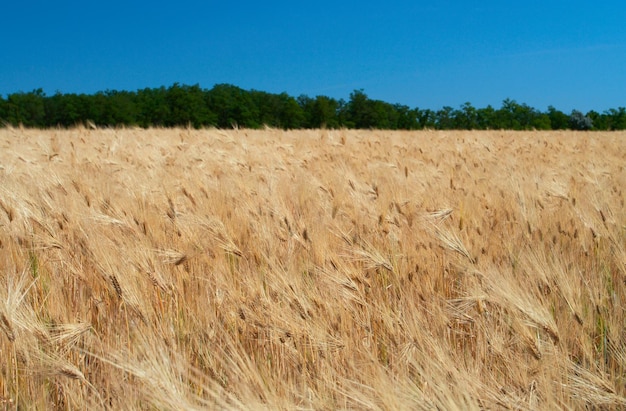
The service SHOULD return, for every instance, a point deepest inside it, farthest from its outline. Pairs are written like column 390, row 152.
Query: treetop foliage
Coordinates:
column 227, row 106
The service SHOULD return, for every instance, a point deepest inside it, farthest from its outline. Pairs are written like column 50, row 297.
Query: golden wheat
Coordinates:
column 317, row 269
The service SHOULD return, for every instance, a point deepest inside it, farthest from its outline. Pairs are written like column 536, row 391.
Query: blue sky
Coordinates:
column 569, row 54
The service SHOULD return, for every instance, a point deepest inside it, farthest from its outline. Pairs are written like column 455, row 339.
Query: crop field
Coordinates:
column 320, row 269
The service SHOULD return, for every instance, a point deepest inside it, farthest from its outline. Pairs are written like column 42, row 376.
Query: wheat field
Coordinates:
column 322, row 269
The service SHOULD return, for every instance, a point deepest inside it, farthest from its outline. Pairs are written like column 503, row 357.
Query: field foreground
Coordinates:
column 182, row 269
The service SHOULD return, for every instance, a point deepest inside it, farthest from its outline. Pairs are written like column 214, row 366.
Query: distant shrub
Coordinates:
column 579, row 121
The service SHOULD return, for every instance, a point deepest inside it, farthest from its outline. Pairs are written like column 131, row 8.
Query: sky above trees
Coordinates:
column 569, row 55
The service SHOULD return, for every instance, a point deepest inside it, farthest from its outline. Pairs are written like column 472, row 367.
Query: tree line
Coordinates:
column 226, row 106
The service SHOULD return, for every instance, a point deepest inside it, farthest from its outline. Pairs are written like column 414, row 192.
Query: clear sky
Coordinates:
column 569, row 54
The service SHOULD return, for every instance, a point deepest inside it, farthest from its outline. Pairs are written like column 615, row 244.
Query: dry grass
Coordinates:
column 181, row 269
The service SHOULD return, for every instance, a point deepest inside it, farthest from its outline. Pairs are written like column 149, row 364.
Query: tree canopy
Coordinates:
column 226, row 106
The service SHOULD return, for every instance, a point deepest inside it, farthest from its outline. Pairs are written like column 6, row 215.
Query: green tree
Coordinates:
column 3, row 111
column 26, row 109
column 486, row 118
column 362, row 112
column 616, row 118
column 233, row 106
column 407, row 118
column 600, row 121
column 526, row 116
column 558, row 119
column 426, row 118
column 467, row 117
column 153, row 108
column 119, row 108
column 53, row 109
column 65, row 109
column 320, row 112
column 278, row 110
column 98, row 109
column 325, row 111
column 226, row 106
column 383, row 115
column 358, row 111
column 291, row 115
column 504, row 118
column 187, row 106
column 342, row 114
column 514, row 116
column 541, row 121
column 445, row 118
